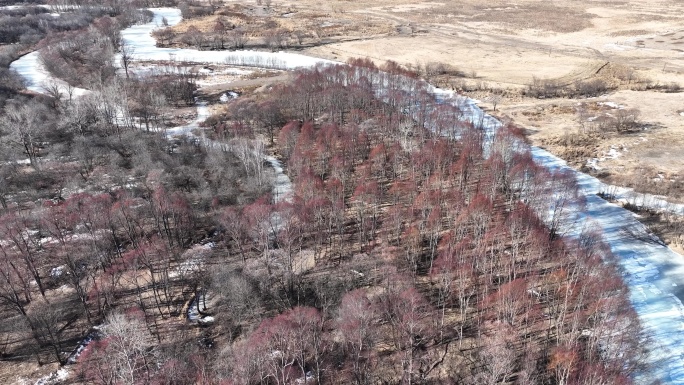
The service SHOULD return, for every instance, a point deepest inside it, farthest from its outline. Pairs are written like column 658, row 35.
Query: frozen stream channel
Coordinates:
column 654, row 273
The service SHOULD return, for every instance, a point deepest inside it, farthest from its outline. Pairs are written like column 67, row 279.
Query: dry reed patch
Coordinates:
column 311, row 24
column 630, row 32
column 541, row 16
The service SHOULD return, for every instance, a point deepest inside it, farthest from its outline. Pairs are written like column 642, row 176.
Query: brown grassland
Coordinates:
column 497, row 48
column 503, row 54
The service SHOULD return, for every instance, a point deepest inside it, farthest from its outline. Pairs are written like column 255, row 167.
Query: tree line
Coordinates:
column 454, row 279
column 414, row 247
column 405, row 254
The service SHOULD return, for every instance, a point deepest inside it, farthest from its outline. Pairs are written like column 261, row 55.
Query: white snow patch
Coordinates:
column 226, row 97
column 62, row 374
column 613, row 153
column 282, row 189
column 54, row 378
column 611, row 105
column 58, row 271
column 618, row 47
column 237, row 71
column 593, row 164
column 640, row 253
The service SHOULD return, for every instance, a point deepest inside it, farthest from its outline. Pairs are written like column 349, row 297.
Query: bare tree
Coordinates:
column 626, row 119
column 26, row 123
column 495, row 99
column 276, row 38
column 112, row 107
column 164, row 36
column 358, row 333
column 271, row 118
column 238, row 299
column 238, row 38
column 220, row 30
column 54, row 90
column 251, row 154
column 6, row 171
column 127, row 52
column 498, row 355
column 48, row 322
column 300, row 35
column 193, row 36
column 129, row 347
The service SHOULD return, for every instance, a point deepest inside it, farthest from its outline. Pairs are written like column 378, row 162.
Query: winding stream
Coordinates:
column 654, row 273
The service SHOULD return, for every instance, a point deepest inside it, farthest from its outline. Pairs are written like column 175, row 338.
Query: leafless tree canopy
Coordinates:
column 408, row 248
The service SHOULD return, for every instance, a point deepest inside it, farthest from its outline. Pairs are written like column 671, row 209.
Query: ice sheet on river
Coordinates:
column 144, row 48
column 37, row 77
column 654, row 273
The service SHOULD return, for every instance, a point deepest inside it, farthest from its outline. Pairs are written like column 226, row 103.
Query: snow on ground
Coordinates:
column 194, row 259
column 140, row 39
column 618, row 47
column 471, row 112
column 58, row 271
column 62, row 374
column 206, row 76
column 22, row 162
column 282, row 188
column 613, row 153
column 221, row 77
column 187, row 130
column 194, row 315
column 653, row 272
column 56, row 377
column 21, row 6
column 30, row 67
column 226, row 97
column 640, row 200
column 611, row 105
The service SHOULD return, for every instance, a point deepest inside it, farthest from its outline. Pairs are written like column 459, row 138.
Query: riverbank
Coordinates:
column 653, row 272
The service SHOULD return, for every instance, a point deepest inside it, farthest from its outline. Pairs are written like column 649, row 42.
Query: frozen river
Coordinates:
column 654, row 273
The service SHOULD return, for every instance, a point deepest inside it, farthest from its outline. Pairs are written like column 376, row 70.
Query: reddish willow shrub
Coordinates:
column 424, row 190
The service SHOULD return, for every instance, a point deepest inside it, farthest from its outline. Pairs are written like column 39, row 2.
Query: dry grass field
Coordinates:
column 635, row 47
column 495, row 51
